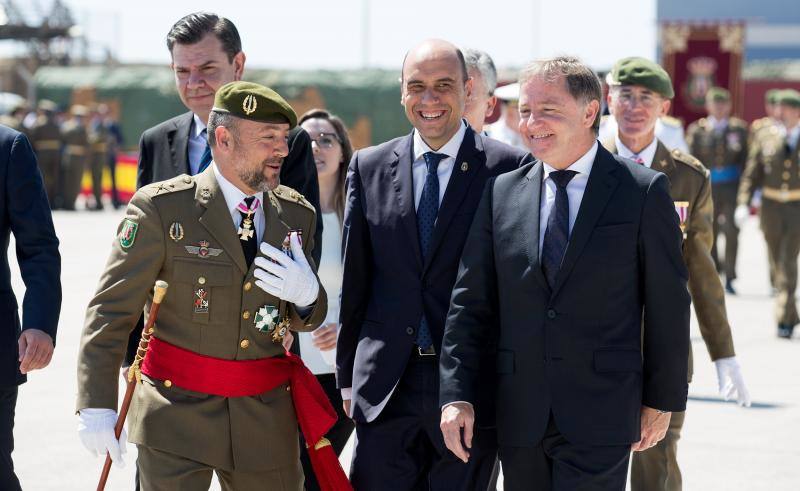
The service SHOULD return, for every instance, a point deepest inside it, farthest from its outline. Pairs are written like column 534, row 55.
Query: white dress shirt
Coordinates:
column 197, row 144
column 233, row 196
column 647, row 155
column 719, row 125
column 419, row 169
column 792, row 136
column 575, row 189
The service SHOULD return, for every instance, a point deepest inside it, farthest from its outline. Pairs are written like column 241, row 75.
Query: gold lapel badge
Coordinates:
column 464, row 167
column 176, row 231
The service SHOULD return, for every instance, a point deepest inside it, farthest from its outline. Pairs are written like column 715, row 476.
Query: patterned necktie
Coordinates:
column 247, row 233
column 205, row 159
column 427, row 211
column 556, row 236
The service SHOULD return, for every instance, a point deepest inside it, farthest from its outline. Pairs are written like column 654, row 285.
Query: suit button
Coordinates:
column 248, row 286
column 246, row 314
column 245, row 343
column 201, row 280
column 551, row 314
column 410, row 331
column 168, row 383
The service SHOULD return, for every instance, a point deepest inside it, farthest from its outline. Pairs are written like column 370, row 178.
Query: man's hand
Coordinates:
column 730, row 381
column 324, row 337
column 35, row 350
column 96, row 430
column 455, row 416
column 346, row 407
column 654, row 428
column 289, row 279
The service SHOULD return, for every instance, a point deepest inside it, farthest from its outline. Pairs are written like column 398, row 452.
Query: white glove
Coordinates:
column 292, row 280
column 731, row 382
column 96, row 430
column 740, row 215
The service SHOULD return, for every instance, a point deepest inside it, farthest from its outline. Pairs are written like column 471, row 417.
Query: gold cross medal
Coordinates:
column 246, row 228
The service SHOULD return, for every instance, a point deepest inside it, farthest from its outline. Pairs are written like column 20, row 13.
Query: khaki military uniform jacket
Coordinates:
column 690, row 183
column 759, row 125
column 718, row 150
column 170, row 219
column 76, row 141
column 45, row 136
column 773, row 167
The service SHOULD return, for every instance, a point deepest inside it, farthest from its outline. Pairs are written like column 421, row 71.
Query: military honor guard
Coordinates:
column 719, row 141
column 76, row 155
column 771, row 117
column 218, row 391
column 773, row 168
column 46, row 138
column 640, row 92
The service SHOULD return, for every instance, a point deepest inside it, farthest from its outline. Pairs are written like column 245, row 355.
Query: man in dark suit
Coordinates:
column 410, row 202
column 24, row 211
column 573, row 273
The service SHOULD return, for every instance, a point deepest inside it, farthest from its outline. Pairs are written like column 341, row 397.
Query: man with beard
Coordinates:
column 223, row 316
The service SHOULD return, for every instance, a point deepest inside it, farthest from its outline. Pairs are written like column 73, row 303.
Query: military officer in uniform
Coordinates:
column 640, row 91
column 45, row 136
column 14, row 118
column 773, row 167
column 76, row 153
column 98, row 136
column 224, row 309
column 771, row 110
column 720, row 142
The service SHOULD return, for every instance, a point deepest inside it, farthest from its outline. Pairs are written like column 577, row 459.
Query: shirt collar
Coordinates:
column 647, row 155
column 450, row 148
column 233, row 195
column 718, row 124
column 197, row 126
column 582, row 166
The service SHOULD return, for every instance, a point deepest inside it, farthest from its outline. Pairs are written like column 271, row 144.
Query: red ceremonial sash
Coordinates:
column 242, row 378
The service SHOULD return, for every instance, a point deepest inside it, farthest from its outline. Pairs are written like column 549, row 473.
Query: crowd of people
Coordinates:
column 461, row 297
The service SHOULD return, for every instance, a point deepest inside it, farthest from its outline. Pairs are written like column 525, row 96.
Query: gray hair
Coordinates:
column 481, row 61
column 218, row 118
column 582, row 82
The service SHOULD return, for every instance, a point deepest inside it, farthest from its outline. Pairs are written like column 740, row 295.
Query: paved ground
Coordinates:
column 723, row 447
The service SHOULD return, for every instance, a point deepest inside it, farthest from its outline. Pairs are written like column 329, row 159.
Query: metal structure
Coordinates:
column 46, row 28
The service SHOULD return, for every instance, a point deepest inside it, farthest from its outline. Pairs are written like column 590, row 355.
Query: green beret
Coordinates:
column 248, row 100
column 771, row 96
column 789, row 97
column 642, row 72
column 718, row 94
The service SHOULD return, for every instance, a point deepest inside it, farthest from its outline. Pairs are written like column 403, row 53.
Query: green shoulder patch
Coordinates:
column 127, row 235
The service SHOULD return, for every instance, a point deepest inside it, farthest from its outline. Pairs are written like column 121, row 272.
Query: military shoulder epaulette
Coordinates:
column 288, row 194
column 738, row 123
column 671, row 121
column 179, row 183
column 689, row 161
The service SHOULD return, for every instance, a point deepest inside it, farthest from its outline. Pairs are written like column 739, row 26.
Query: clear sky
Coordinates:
column 309, row 34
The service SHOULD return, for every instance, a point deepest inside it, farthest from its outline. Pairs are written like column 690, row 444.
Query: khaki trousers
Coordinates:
column 656, row 469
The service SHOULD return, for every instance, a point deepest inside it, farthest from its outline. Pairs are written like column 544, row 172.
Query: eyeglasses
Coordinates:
column 325, row 140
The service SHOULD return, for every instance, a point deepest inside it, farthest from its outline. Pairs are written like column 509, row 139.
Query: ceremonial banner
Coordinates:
column 698, row 57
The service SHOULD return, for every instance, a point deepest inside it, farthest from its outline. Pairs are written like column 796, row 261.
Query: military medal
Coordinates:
column 201, row 301
column 287, row 242
column 246, row 230
column 202, row 249
column 266, row 318
column 281, row 330
column 176, row 231
column 682, row 209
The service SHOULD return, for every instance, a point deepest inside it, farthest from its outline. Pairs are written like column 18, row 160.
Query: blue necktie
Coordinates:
column 556, row 236
column 426, row 220
column 205, row 159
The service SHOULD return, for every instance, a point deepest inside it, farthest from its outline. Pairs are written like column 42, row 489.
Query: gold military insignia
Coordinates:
column 249, row 104
column 176, row 231
column 205, row 194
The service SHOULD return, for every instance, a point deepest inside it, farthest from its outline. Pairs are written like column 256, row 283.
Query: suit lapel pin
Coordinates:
column 202, row 249
column 464, row 167
column 176, row 231
column 205, row 194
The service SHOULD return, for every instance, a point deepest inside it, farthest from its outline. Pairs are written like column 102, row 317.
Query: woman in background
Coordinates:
column 332, row 151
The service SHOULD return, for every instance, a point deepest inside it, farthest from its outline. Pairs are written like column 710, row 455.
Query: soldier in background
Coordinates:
column 772, row 118
column 506, row 128
column 641, row 92
column 481, row 102
column 773, row 167
column 98, row 137
column 76, row 153
column 720, row 142
column 45, row 136
column 15, row 117
column 115, row 143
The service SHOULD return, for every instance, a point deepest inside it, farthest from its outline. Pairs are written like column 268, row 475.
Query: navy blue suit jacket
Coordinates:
column 386, row 285
column 610, row 336
column 24, row 211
